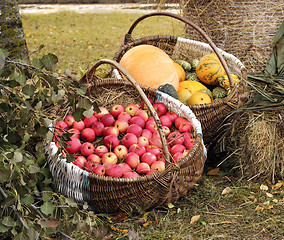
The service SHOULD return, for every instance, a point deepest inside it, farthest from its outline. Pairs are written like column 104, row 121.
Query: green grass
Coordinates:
column 79, row 40
column 246, row 213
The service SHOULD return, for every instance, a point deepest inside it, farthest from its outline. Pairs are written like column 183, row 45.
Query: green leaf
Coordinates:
column 21, row 79
column 29, row 90
column 46, row 223
column 33, row 234
column 8, row 221
column 34, row 169
column 37, row 63
column 2, row 59
column 28, row 199
column 49, row 61
column 70, row 158
column 84, row 103
column 3, row 228
column 46, row 196
column 18, row 157
column 47, row 208
column 78, row 113
column 88, row 113
column 82, row 90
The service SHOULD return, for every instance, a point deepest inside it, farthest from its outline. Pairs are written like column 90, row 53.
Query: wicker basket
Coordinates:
column 210, row 115
column 107, row 194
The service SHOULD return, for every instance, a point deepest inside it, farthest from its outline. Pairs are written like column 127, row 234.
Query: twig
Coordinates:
column 221, row 214
column 218, row 223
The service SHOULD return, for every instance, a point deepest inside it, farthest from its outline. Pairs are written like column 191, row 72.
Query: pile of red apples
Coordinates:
column 129, row 145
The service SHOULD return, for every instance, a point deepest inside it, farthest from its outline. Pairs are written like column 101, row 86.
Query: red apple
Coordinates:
column 114, row 171
column 151, row 125
column 90, row 121
column 173, row 115
column 108, row 120
column 124, row 116
column 143, row 168
column 132, row 159
column 185, row 127
column 186, row 136
column 98, row 128
column 177, row 148
column 143, row 105
column 76, row 133
column 87, row 149
column 60, row 127
column 111, row 141
column 158, row 165
column 69, row 120
column 166, row 131
column 79, row 125
column 160, row 157
column 107, row 165
column 101, row 150
column 94, row 158
column 121, row 125
column 138, row 121
column 156, row 141
column 166, row 121
column 152, row 171
column 116, row 110
column 129, row 139
column 143, row 141
column 143, row 114
column 189, row 143
column 109, row 157
column 120, row 151
column 100, row 170
column 74, row 147
column 90, row 166
column 125, row 167
column 175, row 138
column 180, row 120
column 102, row 112
column 130, row 175
column 80, row 161
column 111, row 131
column 132, row 109
column 88, row 135
column 160, row 108
column 138, row 149
column 148, row 158
column 178, row 156
column 146, row 133
column 153, row 149
column 135, row 129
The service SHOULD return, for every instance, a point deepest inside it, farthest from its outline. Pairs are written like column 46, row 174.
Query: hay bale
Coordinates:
column 244, row 28
column 254, row 144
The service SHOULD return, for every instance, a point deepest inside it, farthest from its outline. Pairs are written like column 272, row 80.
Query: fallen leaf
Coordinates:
column 275, row 200
column 226, row 190
column 258, row 208
column 266, row 203
column 251, row 197
column 170, row 205
column 213, row 172
column 269, row 195
column 194, row 219
column 263, row 187
column 277, row 186
column 145, row 224
column 132, row 235
column 270, row 207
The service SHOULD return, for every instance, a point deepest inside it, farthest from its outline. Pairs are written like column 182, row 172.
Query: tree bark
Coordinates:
column 12, row 38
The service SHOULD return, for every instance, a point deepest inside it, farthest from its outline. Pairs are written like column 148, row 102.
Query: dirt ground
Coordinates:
column 96, row 8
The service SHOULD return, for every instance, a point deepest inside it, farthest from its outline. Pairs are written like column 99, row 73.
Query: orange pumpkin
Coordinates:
column 180, row 71
column 150, row 66
column 209, row 69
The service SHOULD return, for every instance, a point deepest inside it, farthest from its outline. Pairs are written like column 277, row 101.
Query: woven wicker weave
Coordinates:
column 210, row 115
column 244, row 28
column 107, row 194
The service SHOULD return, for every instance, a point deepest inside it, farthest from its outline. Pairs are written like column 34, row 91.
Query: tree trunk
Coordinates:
column 12, row 37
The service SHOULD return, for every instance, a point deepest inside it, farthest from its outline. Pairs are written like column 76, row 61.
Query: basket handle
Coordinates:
column 128, row 38
column 143, row 96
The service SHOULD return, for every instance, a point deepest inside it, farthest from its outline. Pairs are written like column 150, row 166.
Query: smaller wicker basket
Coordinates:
column 108, row 194
column 210, row 115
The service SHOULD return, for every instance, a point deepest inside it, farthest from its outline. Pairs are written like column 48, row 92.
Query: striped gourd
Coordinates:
column 209, row 69
column 185, row 65
column 219, row 92
column 225, row 83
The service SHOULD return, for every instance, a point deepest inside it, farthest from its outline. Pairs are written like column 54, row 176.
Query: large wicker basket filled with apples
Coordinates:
column 129, row 156
column 212, row 83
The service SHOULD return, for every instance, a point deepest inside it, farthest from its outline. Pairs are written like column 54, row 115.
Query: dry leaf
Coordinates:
column 213, row 172
column 226, row 190
column 263, row 187
column 275, row 200
column 132, row 235
column 251, row 197
column 145, row 224
column 120, row 216
column 170, row 205
column 269, row 195
column 270, row 207
column 194, row 219
column 277, row 186
column 258, row 208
